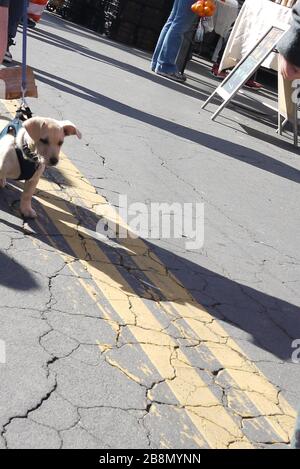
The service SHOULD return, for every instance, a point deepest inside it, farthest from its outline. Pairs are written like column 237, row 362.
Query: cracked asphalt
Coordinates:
column 143, row 343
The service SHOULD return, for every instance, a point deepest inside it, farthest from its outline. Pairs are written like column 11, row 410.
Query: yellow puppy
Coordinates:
column 25, row 157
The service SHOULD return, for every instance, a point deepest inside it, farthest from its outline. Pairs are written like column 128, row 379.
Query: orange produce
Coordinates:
column 204, row 7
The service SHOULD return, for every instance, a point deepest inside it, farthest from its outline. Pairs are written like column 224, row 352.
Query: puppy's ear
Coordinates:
column 33, row 127
column 70, row 129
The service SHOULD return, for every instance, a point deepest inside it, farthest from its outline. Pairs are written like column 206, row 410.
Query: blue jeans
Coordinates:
column 14, row 16
column 171, row 37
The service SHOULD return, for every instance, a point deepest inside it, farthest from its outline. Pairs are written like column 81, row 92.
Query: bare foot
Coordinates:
column 2, row 183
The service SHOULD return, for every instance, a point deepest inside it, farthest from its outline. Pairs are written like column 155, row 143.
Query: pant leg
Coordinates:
column 162, row 35
column 15, row 16
column 3, row 29
column 182, row 23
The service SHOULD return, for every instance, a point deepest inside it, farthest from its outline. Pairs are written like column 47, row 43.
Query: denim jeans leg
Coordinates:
column 182, row 22
column 15, row 16
column 163, row 34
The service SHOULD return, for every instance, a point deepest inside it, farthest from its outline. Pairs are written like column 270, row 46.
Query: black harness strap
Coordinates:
column 28, row 160
column 28, row 166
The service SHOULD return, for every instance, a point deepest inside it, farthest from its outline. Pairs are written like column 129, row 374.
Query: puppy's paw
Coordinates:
column 2, row 183
column 28, row 213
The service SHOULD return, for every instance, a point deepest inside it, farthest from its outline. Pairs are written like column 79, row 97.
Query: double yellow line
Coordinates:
column 156, row 348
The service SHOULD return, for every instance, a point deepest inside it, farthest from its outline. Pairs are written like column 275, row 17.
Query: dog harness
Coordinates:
column 28, row 164
column 28, row 160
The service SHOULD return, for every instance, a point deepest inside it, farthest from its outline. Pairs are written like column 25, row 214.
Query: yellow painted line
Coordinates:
column 213, row 423
column 218, row 431
column 246, row 377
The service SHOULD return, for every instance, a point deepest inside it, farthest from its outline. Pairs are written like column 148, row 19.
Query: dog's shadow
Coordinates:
column 271, row 322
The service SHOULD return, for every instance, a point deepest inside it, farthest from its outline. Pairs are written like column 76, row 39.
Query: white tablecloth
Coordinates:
column 225, row 16
column 255, row 18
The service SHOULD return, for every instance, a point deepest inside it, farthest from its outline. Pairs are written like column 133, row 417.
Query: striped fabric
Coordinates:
column 36, row 8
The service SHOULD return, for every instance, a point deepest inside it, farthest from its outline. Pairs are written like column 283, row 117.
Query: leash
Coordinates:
column 24, row 55
column 23, row 113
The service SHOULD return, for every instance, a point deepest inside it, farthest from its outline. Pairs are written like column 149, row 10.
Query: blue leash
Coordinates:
column 23, row 112
column 24, row 52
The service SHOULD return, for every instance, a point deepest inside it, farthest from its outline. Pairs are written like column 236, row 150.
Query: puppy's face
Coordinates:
column 48, row 136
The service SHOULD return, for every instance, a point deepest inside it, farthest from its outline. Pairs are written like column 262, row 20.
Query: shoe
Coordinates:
column 182, row 74
column 31, row 23
column 215, row 69
column 11, row 42
column 175, row 76
column 7, row 59
column 7, row 56
column 217, row 73
column 254, row 85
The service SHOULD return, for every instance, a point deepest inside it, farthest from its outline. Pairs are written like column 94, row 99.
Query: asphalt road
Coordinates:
column 145, row 343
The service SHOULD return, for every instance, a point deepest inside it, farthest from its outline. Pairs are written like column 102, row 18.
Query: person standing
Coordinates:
column 170, row 40
column 14, row 17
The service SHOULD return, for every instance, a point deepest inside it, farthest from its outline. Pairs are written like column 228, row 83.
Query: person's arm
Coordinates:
column 289, row 48
column 3, row 27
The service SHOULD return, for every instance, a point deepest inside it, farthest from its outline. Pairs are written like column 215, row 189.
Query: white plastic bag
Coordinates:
column 199, row 32
column 208, row 24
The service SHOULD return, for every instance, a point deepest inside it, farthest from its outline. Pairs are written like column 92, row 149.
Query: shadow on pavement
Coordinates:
column 234, row 150
column 244, row 102
column 14, row 276
column 270, row 323
column 57, row 22
column 67, row 45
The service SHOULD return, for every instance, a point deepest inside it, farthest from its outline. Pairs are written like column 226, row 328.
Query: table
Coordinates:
column 223, row 19
column 254, row 19
column 225, row 16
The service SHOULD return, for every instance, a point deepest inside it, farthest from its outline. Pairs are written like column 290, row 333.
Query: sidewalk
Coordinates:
column 145, row 343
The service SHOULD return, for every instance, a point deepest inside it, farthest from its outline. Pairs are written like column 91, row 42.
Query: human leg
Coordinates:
column 15, row 16
column 182, row 22
column 163, row 34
